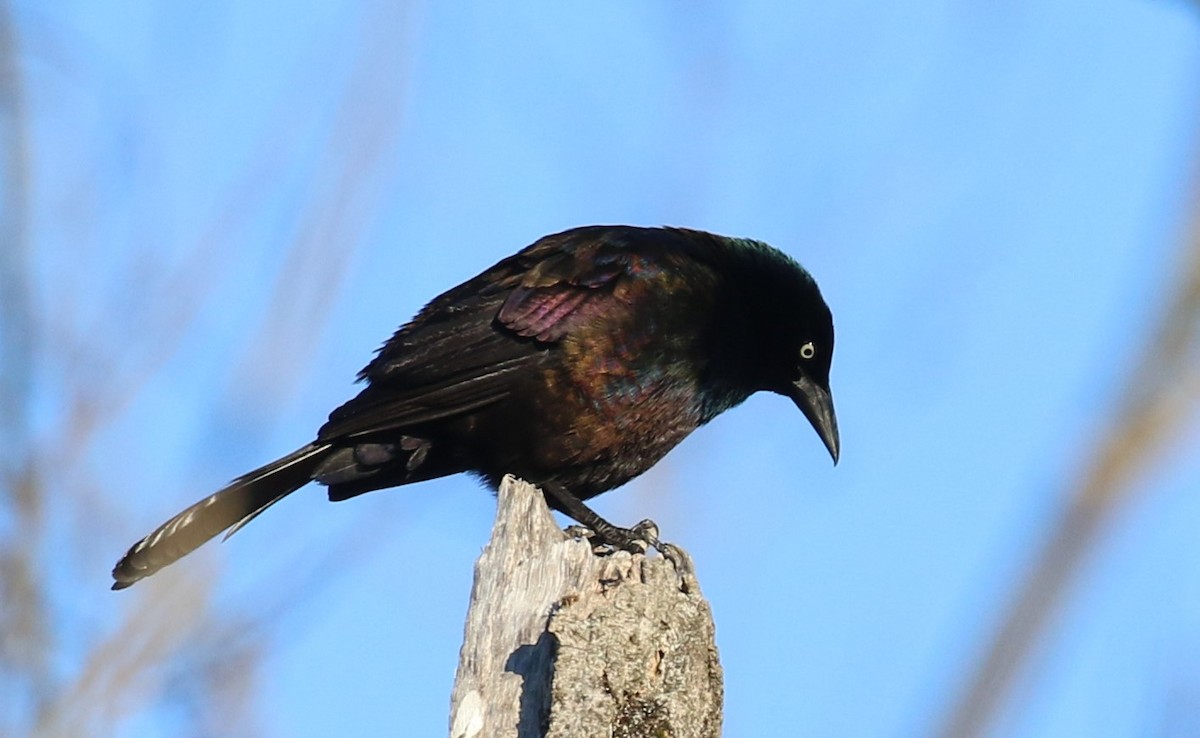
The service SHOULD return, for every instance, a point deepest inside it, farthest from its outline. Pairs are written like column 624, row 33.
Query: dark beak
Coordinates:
column 817, row 405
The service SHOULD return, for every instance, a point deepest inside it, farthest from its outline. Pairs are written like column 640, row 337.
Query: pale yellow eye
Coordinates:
column 808, row 350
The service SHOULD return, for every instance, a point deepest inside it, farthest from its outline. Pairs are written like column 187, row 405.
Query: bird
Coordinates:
column 575, row 364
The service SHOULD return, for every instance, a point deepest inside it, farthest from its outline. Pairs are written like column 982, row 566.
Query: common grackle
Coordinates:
column 575, row 364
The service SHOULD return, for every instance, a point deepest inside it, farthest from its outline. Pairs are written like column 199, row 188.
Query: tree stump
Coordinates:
column 560, row 641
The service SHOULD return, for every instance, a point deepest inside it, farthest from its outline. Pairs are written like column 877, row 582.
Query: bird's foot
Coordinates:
column 639, row 539
column 608, row 538
column 647, row 530
column 684, row 567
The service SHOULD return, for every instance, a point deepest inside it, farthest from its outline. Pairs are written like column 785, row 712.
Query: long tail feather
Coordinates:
column 231, row 507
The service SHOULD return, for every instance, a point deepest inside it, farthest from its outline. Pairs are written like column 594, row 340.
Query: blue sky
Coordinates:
column 990, row 197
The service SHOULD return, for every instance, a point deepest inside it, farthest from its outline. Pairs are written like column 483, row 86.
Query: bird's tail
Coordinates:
column 231, row 507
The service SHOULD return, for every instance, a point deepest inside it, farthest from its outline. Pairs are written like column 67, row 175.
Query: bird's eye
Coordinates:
column 808, row 350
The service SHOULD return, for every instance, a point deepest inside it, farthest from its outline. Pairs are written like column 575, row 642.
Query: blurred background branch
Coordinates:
column 174, row 648
column 24, row 641
column 1151, row 419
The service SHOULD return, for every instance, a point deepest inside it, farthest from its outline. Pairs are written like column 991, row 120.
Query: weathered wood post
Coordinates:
column 561, row 642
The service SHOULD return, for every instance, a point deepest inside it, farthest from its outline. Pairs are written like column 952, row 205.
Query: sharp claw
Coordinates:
column 580, row 532
column 683, row 564
column 647, row 530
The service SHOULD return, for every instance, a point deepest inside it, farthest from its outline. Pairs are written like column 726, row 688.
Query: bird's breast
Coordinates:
column 614, row 396
column 604, row 419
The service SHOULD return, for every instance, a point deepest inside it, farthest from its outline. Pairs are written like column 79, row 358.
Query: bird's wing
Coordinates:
column 434, row 369
column 566, row 285
column 468, row 346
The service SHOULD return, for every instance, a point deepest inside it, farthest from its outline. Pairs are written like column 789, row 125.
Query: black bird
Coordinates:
column 575, row 364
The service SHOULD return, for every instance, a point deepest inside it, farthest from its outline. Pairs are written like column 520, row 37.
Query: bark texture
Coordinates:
column 562, row 642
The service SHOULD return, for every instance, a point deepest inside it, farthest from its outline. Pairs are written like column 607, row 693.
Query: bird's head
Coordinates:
column 809, row 387
column 779, row 329
column 800, row 340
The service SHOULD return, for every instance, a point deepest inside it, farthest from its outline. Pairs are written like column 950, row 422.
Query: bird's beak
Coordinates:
column 817, row 405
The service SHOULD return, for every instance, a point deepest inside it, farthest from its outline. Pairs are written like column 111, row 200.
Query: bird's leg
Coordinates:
column 635, row 540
